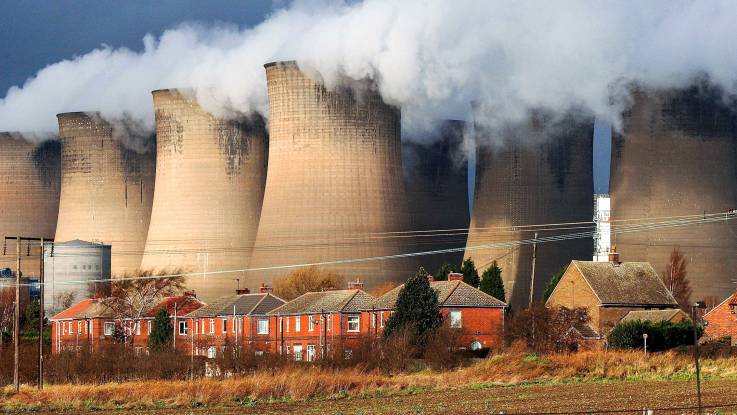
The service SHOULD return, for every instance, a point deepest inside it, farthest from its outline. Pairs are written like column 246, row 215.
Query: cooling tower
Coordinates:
column 334, row 188
column 436, row 178
column 29, row 196
column 531, row 174
column 106, row 189
column 677, row 157
column 210, row 176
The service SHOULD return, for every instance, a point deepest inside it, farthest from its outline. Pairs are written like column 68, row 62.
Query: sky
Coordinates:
column 35, row 34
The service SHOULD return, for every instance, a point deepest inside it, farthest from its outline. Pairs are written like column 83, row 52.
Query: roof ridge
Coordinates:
column 452, row 290
column 348, row 300
column 257, row 304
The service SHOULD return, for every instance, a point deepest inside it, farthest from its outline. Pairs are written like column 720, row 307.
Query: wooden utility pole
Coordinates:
column 16, row 315
column 41, row 319
column 532, row 274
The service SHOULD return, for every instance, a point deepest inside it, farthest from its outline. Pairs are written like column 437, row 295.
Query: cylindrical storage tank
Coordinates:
column 106, row 189
column 210, row 176
column 677, row 157
column 29, row 196
column 334, row 189
column 436, row 178
column 73, row 271
column 534, row 173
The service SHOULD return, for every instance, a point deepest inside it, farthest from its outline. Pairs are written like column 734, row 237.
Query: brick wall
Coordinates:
column 722, row 322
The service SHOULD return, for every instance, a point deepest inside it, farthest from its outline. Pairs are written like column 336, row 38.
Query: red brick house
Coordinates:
column 319, row 323
column 479, row 316
column 238, row 320
column 92, row 324
column 721, row 321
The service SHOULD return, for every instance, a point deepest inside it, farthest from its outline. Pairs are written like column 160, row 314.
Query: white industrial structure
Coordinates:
column 603, row 235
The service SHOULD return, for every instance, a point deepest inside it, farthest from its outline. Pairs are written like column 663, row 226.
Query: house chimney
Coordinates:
column 355, row 285
column 190, row 293
column 241, row 291
column 455, row 276
column 323, row 289
column 614, row 256
column 264, row 289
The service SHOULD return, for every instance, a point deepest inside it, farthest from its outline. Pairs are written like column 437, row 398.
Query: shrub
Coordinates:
column 663, row 335
column 546, row 330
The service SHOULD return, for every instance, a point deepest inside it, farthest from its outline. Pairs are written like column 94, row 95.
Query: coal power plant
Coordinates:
column 533, row 173
column 677, row 157
column 210, row 176
column 436, row 178
column 29, row 196
column 334, row 188
column 106, row 188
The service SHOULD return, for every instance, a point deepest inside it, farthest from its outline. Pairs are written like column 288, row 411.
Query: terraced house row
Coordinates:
column 308, row 327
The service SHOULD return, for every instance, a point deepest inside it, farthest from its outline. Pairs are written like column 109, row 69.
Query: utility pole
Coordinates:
column 702, row 305
column 16, row 318
column 41, row 318
column 532, row 274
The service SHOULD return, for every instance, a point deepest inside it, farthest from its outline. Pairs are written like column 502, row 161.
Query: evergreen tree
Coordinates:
column 553, row 282
column 470, row 274
column 417, row 307
column 30, row 320
column 492, row 283
column 443, row 271
column 161, row 332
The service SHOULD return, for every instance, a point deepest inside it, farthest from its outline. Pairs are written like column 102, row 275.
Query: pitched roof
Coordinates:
column 240, row 304
column 88, row 308
column 730, row 301
column 184, row 304
column 634, row 283
column 450, row 294
column 654, row 316
column 345, row 301
column 586, row 331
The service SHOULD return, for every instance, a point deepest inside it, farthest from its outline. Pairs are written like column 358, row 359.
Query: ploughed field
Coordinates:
column 665, row 397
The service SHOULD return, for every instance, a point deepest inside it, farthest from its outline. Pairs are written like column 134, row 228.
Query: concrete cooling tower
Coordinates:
column 106, row 189
column 532, row 174
column 334, row 188
column 677, row 157
column 210, row 176
column 436, row 178
column 29, row 195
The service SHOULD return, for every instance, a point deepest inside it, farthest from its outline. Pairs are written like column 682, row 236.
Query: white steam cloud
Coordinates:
column 431, row 57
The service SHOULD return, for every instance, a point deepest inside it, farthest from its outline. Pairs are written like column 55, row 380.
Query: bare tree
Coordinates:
column 676, row 280
column 305, row 280
column 133, row 295
column 7, row 302
column 546, row 330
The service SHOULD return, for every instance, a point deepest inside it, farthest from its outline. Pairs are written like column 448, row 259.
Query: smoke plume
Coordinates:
column 431, row 57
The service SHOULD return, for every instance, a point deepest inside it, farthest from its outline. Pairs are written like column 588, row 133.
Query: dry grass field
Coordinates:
column 513, row 382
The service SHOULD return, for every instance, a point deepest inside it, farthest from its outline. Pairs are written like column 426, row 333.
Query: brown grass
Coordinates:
column 299, row 383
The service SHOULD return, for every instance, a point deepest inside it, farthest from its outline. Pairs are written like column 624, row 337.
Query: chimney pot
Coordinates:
column 265, row 288
column 355, row 285
column 242, row 291
column 455, row 276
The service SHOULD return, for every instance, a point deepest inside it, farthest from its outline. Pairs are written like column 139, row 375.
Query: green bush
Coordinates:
column 663, row 335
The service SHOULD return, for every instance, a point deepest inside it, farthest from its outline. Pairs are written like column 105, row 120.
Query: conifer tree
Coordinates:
column 417, row 307
column 492, row 283
column 443, row 271
column 470, row 274
column 161, row 332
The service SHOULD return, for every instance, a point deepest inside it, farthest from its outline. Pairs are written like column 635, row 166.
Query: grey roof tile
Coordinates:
column 634, row 283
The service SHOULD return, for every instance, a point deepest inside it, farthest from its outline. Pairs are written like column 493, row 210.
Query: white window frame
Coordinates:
column 148, row 329
column 79, row 326
column 183, row 325
column 71, row 327
column 311, row 323
column 355, row 319
column 212, row 352
column 109, row 328
column 225, row 325
column 456, row 322
column 310, row 353
column 259, row 328
column 212, row 326
column 373, row 320
column 329, row 321
column 233, row 327
column 138, row 328
column 381, row 319
column 297, row 352
column 297, row 324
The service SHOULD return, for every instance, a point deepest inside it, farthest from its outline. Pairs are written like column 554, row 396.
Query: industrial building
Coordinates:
column 436, row 178
column 529, row 174
column 106, row 188
column 676, row 159
column 210, row 176
column 334, row 188
column 75, row 270
column 29, row 196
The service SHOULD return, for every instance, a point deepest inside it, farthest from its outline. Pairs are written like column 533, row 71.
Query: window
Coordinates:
column 297, row 350
column 263, row 327
column 381, row 319
column 455, row 319
column 310, row 352
column 138, row 328
column 71, row 327
column 354, row 324
column 212, row 352
column 373, row 320
column 476, row 345
column 212, row 326
column 286, row 322
column 225, row 325
column 312, row 322
column 235, row 324
column 330, row 321
column 348, row 354
column 297, row 324
column 79, row 327
column 148, row 330
column 139, row 350
column 182, row 328
column 109, row 328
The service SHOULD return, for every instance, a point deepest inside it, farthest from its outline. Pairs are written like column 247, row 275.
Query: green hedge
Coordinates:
column 663, row 335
